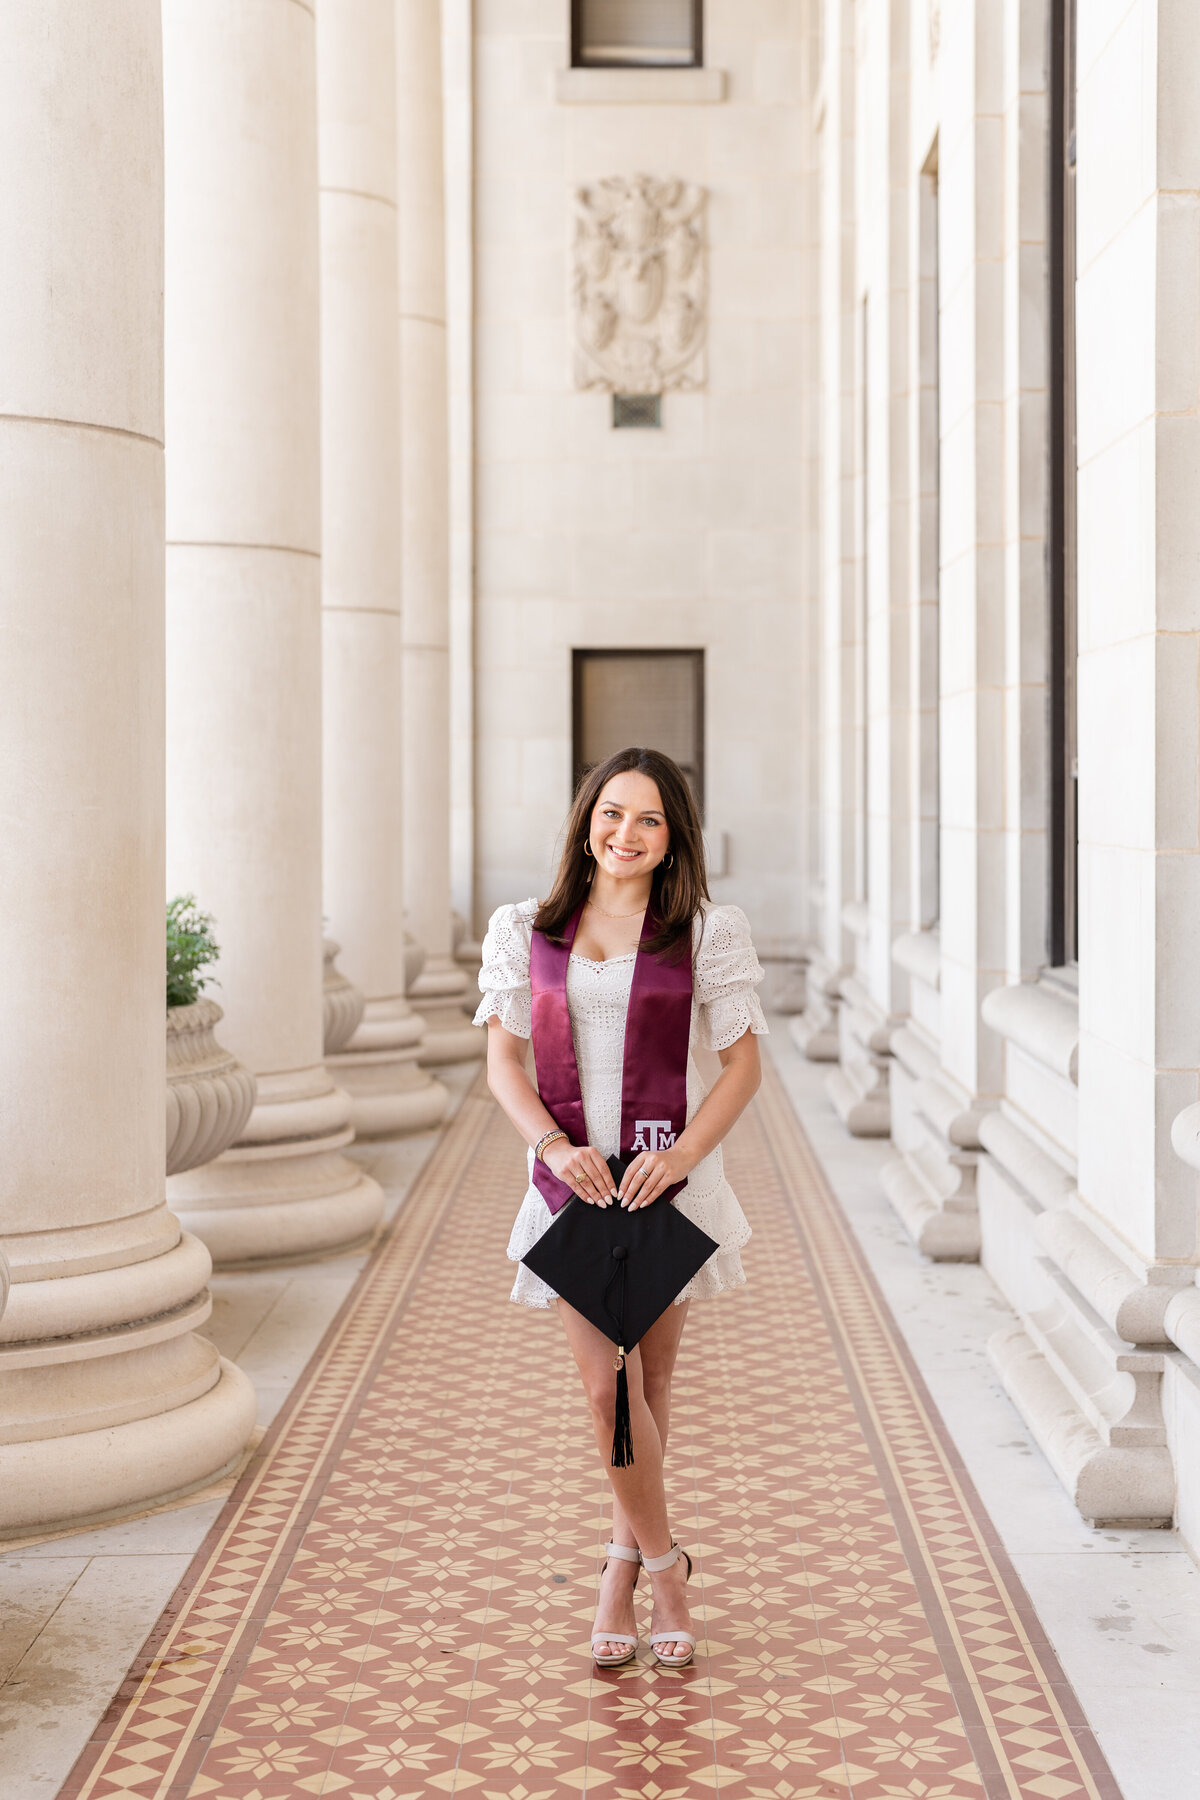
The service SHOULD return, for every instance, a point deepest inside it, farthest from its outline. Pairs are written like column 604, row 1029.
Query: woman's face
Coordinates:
column 628, row 832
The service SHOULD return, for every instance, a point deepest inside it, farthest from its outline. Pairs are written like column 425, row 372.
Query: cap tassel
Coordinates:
column 622, row 1444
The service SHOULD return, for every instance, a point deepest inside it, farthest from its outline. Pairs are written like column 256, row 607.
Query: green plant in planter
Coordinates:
column 190, row 947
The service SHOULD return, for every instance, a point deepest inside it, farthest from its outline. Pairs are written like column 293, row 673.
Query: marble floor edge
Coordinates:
column 1121, row 1608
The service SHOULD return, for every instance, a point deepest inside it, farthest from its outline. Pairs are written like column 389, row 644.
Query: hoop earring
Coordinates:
column 587, row 848
column 669, row 860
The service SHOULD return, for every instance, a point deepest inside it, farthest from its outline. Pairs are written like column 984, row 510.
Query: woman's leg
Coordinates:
column 658, row 1352
column 640, row 1506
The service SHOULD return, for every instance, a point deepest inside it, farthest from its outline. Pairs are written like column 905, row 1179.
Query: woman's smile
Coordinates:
column 630, row 802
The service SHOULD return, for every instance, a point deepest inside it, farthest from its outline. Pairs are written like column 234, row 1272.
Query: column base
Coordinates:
column 785, row 961
column 934, row 1199
column 858, row 1088
column 109, row 1397
column 468, row 955
column 284, row 1192
column 1090, row 1395
column 931, row 1184
column 1112, row 1484
column 815, row 1031
column 84, row 1477
column 439, row 996
column 390, row 1093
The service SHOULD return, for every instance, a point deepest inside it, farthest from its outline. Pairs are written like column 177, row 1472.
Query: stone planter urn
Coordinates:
column 344, row 1003
column 210, row 1094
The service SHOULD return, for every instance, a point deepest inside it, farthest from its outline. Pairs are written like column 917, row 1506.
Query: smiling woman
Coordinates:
column 628, row 919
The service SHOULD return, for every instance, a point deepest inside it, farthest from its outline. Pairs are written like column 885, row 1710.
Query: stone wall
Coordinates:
column 1031, row 1105
column 691, row 535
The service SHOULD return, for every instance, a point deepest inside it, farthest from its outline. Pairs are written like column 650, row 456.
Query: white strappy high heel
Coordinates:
column 653, row 1565
column 619, row 1553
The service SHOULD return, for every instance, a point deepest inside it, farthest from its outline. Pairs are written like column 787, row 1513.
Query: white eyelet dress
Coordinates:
column 725, row 972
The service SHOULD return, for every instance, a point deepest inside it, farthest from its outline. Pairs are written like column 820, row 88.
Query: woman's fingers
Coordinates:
column 650, row 1175
column 590, row 1176
column 631, row 1179
column 584, row 1184
column 649, row 1191
column 637, row 1178
column 601, row 1173
column 596, row 1170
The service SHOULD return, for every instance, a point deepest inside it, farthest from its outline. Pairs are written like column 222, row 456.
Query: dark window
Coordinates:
column 636, row 411
column 636, row 34
column 1062, row 935
column 649, row 697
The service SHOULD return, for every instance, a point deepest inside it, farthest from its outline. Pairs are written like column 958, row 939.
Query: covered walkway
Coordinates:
column 397, row 1597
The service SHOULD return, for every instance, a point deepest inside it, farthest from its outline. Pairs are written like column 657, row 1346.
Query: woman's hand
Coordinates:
column 651, row 1173
column 582, row 1168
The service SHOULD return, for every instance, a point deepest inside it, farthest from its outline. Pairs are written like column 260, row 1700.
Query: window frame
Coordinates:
column 577, row 62
column 1062, row 921
column 579, row 658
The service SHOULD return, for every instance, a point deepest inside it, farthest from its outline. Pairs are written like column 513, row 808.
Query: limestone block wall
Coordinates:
column 1031, row 1106
column 690, row 535
column 1139, row 643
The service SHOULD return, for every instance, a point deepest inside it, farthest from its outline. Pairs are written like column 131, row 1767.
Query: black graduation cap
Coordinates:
column 621, row 1270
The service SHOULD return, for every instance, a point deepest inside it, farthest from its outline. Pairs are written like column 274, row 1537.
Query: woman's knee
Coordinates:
column 600, row 1386
column 656, row 1386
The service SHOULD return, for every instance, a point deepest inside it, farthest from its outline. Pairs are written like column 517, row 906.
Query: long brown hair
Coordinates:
column 676, row 892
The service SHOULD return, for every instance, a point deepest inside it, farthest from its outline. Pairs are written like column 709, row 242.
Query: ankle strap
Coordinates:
column 654, row 1565
column 623, row 1553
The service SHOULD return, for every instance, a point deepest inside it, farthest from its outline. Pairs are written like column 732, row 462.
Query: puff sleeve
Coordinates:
column 725, row 974
column 504, row 977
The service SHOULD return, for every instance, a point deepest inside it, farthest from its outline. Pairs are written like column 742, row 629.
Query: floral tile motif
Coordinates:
column 397, row 1599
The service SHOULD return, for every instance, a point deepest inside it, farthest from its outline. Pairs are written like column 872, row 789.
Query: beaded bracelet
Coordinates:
column 547, row 1137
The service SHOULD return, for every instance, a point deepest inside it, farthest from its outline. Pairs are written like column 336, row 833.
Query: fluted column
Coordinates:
column 440, row 990
column 244, row 606
column 363, row 664
column 108, row 1398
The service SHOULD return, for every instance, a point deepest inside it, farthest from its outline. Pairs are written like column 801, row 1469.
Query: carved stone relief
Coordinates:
column 639, row 285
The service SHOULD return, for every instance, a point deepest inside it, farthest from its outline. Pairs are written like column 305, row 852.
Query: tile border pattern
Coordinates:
column 1011, row 1692
column 155, row 1733
column 1023, row 1725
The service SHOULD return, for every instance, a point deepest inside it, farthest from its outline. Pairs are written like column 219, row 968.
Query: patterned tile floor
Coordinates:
column 397, row 1598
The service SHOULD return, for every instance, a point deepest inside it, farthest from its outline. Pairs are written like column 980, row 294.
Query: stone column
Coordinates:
column 109, row 1399
column 244, row 606
column 816, row 1030
column 439, row 992
column 875, row 995
column 1088, row 1370
column 947, row 1067
column 1089, row 1220
column 363, row 659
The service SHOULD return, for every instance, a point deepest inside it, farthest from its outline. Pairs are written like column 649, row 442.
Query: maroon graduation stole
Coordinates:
column 654, row 1074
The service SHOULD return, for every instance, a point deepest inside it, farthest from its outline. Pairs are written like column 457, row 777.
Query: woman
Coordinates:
column 633, row 841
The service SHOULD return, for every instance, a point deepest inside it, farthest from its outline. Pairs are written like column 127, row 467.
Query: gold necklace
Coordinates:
column 608, row 915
